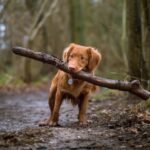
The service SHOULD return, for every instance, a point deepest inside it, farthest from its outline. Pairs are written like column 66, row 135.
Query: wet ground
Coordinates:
column 111, row 124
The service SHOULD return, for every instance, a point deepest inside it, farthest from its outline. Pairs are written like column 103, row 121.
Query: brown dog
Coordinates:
column 63, row 85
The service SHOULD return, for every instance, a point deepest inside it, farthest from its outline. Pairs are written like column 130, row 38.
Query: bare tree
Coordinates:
column 38, row 26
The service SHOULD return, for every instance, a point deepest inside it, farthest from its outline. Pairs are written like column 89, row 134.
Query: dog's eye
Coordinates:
column 82, row 58
column 71, row 56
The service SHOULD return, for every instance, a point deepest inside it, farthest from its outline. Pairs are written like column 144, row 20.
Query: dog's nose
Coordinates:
column 72, row 68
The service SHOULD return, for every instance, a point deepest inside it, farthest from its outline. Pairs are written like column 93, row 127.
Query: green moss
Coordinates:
column 8, row 79
column 105, row 93
column 144, row 105
column 5, row 78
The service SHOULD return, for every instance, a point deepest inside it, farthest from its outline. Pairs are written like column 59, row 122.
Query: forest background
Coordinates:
column 119, row 29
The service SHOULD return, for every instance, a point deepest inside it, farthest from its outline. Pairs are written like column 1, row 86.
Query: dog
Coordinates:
column 63, row 86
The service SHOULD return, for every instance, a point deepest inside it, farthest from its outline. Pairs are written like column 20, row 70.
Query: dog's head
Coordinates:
column 81, row 58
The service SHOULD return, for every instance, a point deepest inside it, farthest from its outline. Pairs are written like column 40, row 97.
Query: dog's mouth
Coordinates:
column 74, row 69
column 85, row 69
column 72, row 79
column 77, row 68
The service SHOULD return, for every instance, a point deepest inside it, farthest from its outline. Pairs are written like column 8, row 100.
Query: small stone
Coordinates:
column 79, row 137
column 92, row 108
column 40, row 147
column 145, row 135
column 89, row 121
column 94, row 116
column 123, row 147
column 120, row 138
column 139, row 146
column 89, row 130
column 111, row 126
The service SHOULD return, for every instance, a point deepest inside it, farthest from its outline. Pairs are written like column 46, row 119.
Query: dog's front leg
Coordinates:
column 51, row 102
column 55, row 113
column 83, row 104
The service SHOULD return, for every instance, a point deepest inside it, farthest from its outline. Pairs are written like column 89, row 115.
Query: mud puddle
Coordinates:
column 110, row 126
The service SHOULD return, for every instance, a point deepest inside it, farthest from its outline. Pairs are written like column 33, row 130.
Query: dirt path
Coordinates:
column 111, row 126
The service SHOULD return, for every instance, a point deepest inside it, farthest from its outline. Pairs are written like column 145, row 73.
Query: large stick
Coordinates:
column 133, row 87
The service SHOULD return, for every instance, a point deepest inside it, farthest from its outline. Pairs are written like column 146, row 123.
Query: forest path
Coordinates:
column 109, row 124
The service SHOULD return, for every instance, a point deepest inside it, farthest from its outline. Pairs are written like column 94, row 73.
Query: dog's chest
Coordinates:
column 73, row 87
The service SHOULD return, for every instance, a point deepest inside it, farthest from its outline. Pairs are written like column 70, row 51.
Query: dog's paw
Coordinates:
column 82, row 123
column 43, row 123
column 53, row 124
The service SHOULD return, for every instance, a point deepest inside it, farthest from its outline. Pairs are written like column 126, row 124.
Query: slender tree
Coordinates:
column 77, row 21
column 136, row 63
column 146, row 33
column 27, row 76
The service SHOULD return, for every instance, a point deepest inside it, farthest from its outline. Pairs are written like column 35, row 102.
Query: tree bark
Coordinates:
column 77, row 21
column 136, row 63
column 133, row 87
column 146, row 33
column 124, row 34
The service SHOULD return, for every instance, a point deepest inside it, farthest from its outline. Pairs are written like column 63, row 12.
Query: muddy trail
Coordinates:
column 111, row 124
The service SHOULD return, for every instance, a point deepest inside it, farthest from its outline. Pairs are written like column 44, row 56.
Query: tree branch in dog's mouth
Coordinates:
column 133, row 87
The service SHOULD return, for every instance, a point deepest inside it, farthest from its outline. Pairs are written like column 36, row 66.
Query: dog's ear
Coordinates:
column 94, row 59
column 67, row 52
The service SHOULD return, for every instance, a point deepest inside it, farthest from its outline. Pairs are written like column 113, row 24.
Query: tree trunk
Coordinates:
column 124, row 35
column 34, row 39
column 146, row 33
column 136, row 63
column 77, row 21
column 27, row 74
